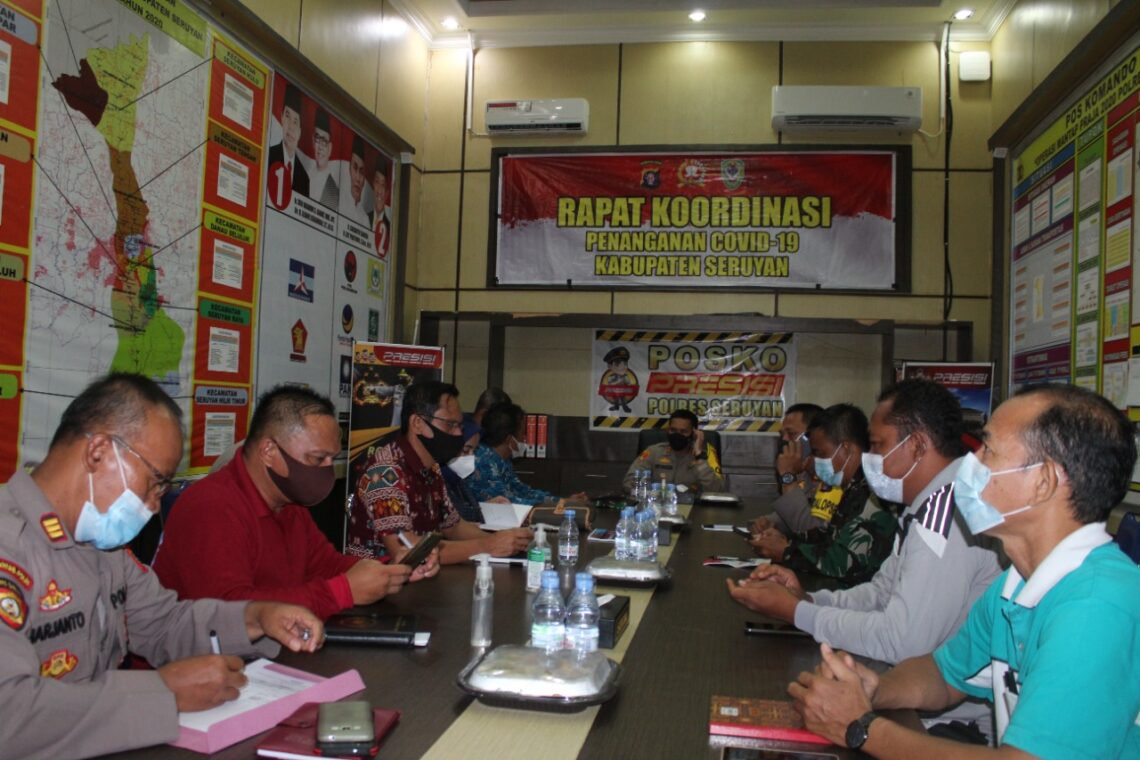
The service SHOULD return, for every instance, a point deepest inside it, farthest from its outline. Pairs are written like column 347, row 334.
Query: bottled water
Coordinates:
column 537, row 559
column 645, row 547
column 653, row 502
column 548, row 629
column 640, row 484
column 568, row 540
column 623, row 536
column 670, row 507
column 582, row 615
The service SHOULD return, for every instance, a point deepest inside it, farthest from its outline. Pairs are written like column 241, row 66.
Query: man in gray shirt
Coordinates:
column 923, row 591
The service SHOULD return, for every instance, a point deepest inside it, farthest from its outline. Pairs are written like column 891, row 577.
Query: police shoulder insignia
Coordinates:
column 53, row 529
column 56, row 598
column 8, row 567
column 60, row 663
column 13, row 608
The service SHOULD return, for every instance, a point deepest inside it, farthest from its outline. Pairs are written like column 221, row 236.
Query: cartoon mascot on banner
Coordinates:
column 619, row 385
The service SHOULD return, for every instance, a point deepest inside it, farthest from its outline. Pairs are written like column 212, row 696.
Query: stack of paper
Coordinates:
column 503, row 516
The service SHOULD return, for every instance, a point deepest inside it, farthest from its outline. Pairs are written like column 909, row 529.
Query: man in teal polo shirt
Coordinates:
column 1054, row 643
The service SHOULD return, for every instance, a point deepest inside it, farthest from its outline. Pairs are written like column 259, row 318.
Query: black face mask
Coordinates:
column 441, row 446
column 307, row 484
column 680, row 442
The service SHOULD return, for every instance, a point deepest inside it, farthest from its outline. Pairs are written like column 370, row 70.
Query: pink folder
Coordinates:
column 264, row 717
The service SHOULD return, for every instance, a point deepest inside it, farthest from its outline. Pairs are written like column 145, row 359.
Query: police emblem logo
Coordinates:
column 56, row 598
column 60, row 663
column 732, row 173
column 13, row 608
column 651, row 174
column 53, row 529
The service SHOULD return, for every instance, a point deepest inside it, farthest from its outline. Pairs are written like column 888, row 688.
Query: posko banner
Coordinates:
column 806, row 219
column 735, row 382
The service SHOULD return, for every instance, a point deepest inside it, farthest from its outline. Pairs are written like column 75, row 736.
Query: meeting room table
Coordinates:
column 685, row 643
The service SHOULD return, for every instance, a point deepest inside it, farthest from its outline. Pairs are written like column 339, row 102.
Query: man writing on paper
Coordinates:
column 72, row 604
column 923, row 590
column 1055, row 641
column 402, row 495
column 246, row 532
column 684, row 459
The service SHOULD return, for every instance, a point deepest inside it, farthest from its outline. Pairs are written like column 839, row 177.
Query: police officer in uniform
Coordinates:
column 72, row 603
column 684, row 458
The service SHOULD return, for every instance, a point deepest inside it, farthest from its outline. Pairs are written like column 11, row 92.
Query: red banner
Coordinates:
column 729, row 219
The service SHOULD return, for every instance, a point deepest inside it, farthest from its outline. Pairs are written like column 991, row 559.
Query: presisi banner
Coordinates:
column 782, row 219
column 972, row 383
column 375, row 379
column 735, row 382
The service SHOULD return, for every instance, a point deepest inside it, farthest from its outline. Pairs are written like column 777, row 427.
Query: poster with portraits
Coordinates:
column 327, row 244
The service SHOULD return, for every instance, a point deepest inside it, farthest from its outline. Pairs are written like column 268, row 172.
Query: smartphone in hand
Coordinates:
column 420, row 552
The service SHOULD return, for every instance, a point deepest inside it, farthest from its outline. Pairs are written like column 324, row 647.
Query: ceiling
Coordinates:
column 523, row 23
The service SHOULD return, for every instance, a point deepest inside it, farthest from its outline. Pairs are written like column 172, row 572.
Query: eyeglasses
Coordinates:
column 321, row 139
column 162, row 483
column 451, row 425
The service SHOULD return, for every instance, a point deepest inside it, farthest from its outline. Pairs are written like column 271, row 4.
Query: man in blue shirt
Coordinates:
column 1054, row 643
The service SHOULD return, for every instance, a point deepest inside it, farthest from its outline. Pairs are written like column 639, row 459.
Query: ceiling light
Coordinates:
column 450, row 23
column 697, row 15
column 963, row 14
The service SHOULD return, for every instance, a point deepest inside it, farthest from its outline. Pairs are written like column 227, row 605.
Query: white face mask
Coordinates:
column 122, row 521
column 463, row 466
column 518, row 450
column 884, row 486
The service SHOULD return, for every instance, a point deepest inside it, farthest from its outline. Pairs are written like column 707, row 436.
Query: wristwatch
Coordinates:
column 856, row 735
column 787, row 478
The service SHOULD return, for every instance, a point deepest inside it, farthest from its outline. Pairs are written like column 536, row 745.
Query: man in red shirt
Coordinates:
column 245, row 531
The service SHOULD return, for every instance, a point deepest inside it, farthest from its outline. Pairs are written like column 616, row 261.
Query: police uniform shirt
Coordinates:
column 69, row 613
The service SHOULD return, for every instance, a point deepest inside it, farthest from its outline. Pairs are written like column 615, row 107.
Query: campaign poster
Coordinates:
column 733, row 382
column 786, row 219
column 378, row 375
column 972, row 383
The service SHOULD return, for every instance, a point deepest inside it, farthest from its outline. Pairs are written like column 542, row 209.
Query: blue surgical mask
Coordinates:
column 120, row 523
column 884, row 486
column 828, row 473
column 969, row 482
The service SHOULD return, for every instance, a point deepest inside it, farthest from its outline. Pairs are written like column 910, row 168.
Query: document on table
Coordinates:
column 503, row 516
column 266, row 684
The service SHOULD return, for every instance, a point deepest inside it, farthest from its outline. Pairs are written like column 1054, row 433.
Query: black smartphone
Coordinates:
column 346, row 729
column 419, row 553
column 777, row 629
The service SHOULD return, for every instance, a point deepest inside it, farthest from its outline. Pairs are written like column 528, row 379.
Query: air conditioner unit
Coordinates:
column 504, row 117
column 846, row 109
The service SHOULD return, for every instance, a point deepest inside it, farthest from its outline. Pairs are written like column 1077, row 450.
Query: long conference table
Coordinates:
column 685, row 643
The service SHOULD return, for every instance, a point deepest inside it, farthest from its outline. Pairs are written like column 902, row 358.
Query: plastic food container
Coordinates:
column 530, row 678
column 612, row 570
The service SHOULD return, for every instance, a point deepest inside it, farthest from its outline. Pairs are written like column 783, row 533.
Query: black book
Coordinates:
column 374, row 628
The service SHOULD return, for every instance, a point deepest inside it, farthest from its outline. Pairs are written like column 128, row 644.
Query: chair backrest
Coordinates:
column 650, row 436
column 1128, row 535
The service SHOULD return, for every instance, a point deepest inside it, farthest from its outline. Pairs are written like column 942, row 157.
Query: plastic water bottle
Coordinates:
column 568, row 540
column 548, row 629
column 670, row 507
column 646, row 546
column 582, row 615
column 537, row 559
column 641, row 484
column 623, row 535
column 653, row 502
column 482, row 602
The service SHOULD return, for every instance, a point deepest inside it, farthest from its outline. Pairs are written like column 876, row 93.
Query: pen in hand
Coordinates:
column 215, row 645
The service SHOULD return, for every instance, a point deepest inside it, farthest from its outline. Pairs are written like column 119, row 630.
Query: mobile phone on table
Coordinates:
column 777, row 629
column 419, row 553
column 346, row 729
column 755, row 753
